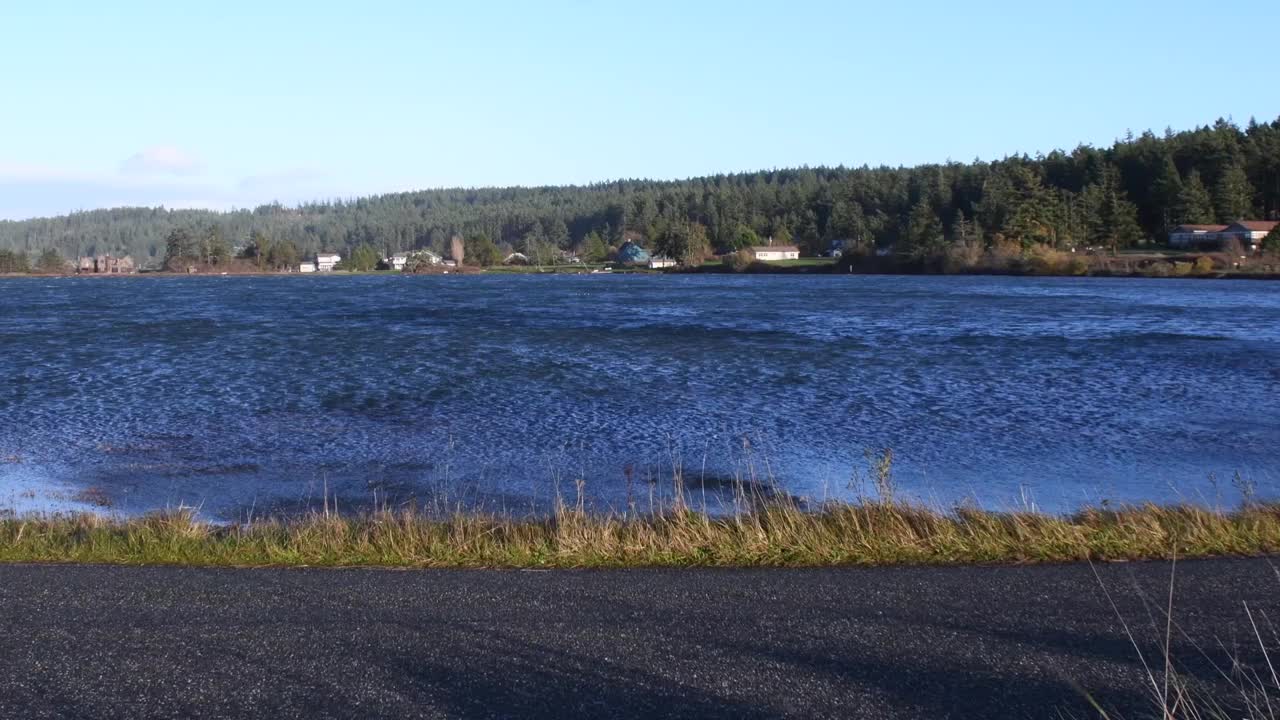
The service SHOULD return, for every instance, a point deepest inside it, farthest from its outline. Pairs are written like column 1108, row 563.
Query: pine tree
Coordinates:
column 179, row 247
column 1271, row 243
column 557, row 233
column 1233, row 196
column 1114, row 219
column 593, row 248
column 924, row 231
column 1195, row 207
column 51, row 261
column 1166, row 191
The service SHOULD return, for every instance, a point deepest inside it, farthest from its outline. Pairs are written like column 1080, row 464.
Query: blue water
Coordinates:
column 235, row 394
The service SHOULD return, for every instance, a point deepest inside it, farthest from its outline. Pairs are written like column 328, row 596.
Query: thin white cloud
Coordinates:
column 161, row 160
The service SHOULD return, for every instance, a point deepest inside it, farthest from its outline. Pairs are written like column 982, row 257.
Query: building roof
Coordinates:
column 775, row 248
column 321, row 255
column 632, row 252
column 1256, row 225
column 1200, row 228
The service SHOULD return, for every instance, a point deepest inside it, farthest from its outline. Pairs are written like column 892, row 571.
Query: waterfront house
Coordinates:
column 631, row 252
column 1194, row 236
column 106, row 264
column 425, row 256
column 766, row 253
column 516, row 258
column 307, row 267
column 658, row 262
column 397, row 261
column 325, row 262
column 1249, row 233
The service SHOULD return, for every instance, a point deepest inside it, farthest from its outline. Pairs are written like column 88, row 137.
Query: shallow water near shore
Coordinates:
column 239, row 394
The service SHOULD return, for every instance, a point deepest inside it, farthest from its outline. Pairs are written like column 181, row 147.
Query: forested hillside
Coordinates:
column 1128, row 194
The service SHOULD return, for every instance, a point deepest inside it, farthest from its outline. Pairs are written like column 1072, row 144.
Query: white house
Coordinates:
column 425, row 256
column 765, row 253
column 659, row 261
column 397, row 261
column 307, row 267
column 326, row 261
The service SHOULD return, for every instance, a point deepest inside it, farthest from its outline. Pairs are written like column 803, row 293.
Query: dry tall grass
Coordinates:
column 774, row 533
column 1239, row 688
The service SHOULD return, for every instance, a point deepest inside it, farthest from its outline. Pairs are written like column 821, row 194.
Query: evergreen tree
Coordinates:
column 257, row 249
column 1114, row 219
column 51, row 261
column 283, row 255
column 1195, row 206
column 1032, row 212
column 1233, row 196
column 480, row 250
column 180, row 248
column 745, row 237
column 1271, row 243
column 593, row 248
column 13, row 261
column 923, row 237
column 1166, row 192
column 557, row 233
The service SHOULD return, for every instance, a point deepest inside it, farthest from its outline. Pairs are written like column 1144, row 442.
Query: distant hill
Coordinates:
column 1127, row 194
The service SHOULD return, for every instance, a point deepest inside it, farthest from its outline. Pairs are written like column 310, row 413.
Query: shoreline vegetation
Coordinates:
column 989, row 262
column 774, row 532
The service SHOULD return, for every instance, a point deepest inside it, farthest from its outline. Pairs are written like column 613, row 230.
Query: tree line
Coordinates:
column 1129, row 194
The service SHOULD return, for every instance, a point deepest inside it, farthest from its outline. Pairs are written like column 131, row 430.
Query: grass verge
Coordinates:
column 776, row 533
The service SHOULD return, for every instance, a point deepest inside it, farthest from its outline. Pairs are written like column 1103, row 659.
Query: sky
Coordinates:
column 235, row 104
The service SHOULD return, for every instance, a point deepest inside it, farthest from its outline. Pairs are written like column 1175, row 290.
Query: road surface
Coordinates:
column 105, row 642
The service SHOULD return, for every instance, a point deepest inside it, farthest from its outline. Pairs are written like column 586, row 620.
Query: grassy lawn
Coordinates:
column 543, row 269
column 803, row 262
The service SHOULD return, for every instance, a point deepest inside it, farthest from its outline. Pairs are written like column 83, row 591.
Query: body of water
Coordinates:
column 236, row 394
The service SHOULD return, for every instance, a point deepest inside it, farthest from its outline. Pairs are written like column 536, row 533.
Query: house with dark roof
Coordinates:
column 631, row 252
column 1190, row 236
column 1249, row 233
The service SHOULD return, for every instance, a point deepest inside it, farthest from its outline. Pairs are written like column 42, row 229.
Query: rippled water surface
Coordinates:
column 238, row 393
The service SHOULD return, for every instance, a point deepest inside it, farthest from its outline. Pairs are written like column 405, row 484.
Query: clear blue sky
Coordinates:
column 240, row 103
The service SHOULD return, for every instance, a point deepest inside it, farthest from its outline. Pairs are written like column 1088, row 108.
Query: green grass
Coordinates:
column 776, row 533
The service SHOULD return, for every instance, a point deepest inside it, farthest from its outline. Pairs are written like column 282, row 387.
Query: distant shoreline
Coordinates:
column 828, row 270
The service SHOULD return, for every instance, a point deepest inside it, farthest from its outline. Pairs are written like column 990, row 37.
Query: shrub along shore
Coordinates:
column 775, row 534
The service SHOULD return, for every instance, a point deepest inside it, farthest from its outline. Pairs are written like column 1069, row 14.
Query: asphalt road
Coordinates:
column 102, row 642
